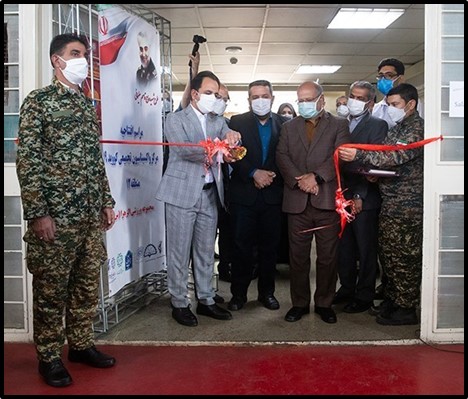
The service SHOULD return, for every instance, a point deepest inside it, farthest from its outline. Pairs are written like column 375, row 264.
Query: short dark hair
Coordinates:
column 196, row 82
column 397, row 64
column 59, row 42
column 406, row 91
column 261, row 83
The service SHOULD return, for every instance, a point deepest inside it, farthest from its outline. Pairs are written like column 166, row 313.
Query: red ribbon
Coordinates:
column 212, row 147
column 340, row 202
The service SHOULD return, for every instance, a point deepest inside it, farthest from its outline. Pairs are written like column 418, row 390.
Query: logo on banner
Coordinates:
column 103, row 25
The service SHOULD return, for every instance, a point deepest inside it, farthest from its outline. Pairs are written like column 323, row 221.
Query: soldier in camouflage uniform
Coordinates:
column 67, row 204
column 401, row 216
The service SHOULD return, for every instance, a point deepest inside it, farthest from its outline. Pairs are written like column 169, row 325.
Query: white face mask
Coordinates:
column 396, row 114
column 261, row 106
column 356, row 107
column 219, row 107
column 206, row 103
column 342, row 110
column 76, row 70
column 287, row 116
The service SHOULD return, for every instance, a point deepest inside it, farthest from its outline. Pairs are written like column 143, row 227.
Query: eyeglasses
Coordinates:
column 386, row 76
column 308, row 100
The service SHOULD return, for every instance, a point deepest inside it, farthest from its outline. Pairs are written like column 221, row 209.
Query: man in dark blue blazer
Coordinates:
column 255, row 195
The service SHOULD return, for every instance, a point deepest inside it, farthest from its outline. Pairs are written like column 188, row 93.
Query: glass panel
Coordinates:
column 452, row 126
column 10, row 101
column 452, row 49
column 452, row 263
column 453, row 6
column 10, row 126
column 9, row 151
column 450, row 303
column 13, row 315
column 452, row 150
column 13, row 264
column 445, row 93
column 12, row 238
column 10, row 7
column 452, row 72
column 10, row 33
column 13, row 289
column 452, row 222
column 453, row 24
column 11, row 76
column 12, row 210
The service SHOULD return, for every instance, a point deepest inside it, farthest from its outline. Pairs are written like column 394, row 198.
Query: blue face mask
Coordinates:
column 385, row 85
column 308, row 110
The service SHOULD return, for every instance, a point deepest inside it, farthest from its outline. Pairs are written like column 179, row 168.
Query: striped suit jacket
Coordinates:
column 184, row 177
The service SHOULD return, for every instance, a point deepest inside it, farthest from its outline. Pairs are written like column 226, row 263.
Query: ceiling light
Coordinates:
column 233, row 49
column 365, row 18
column 318, row 68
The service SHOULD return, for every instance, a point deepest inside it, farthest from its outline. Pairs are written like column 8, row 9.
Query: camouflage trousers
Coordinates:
column 400, row 253
column 65, row 282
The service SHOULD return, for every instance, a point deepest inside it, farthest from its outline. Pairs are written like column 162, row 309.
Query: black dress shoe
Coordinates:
column 398, row 316
column 214, row 311
column 357, row 306
column 340, row 297
column 327, row 314
column 184, row 316
column 236, row 303
column 55, row 373
column 385, row 306
column 269, row 301
column 91, row 357
column 218, row 299
column 296, row 313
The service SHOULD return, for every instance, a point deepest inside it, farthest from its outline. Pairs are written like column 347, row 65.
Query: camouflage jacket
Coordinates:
column 59, row 163
column 401, row 196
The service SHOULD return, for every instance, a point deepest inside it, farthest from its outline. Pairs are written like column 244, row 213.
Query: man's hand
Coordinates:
column 347, row 154
column 263, row 178
column 233, row 138
column 358, row 205
column 107, row 218
column 44, row 228
column 195, row 63
column 308, row 183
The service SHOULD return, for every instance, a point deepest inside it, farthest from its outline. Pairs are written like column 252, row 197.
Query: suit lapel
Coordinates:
column 303, row 134
column 319, row 130
column 197, row 132
column 361, row 125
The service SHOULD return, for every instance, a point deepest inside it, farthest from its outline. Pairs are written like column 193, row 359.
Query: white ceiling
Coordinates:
column 277, row 38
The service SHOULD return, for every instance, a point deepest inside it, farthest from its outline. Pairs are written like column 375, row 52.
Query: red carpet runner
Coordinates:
column 261, row 370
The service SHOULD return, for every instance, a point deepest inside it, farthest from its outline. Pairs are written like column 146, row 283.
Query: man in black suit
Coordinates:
column 359, row 240
column 255, row 195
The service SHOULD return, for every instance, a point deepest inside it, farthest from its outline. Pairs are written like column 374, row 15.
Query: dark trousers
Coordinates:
column 300, row 244
column 359, row 243
column 260, row 225
column 225, row 241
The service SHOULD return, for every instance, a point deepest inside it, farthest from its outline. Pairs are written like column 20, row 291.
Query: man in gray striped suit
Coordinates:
column 191, row 188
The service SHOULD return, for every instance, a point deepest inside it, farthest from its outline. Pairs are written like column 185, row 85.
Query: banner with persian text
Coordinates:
column 130, row 73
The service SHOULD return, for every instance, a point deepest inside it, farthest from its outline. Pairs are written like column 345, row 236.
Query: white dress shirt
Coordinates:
column 202, row 118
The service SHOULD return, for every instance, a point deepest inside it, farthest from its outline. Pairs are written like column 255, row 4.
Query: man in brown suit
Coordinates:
column 304, row 156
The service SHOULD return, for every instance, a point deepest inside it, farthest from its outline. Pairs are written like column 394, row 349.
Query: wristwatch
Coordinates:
column 356, row 196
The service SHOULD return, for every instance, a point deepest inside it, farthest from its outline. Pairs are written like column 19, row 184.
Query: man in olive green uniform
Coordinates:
column 401, row 215
column 67, row 203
